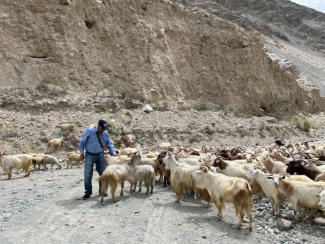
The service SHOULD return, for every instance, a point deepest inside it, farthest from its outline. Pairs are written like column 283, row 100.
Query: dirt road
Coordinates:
column 46, row 207
column 136, row 218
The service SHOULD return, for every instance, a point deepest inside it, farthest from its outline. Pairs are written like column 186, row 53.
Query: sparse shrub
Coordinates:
column 208, row 130
column 128, row 92
column 8, row 131
column 302, row 124
column 165, row 104
column 181, row 107
column 100, row 108
column 142, row 99
column 200, row 107
column 193, row 138
column 48, row 84
column 66, row 129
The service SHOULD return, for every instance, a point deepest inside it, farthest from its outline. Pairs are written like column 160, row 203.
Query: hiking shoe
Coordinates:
column 86, row 196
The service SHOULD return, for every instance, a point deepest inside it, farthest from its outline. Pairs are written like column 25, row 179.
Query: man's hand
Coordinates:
column 82, row 157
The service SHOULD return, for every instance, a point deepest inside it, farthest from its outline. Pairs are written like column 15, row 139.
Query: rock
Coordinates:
column 289, row 216
column 65, row 2
column 147, row 108
column 260, row 209
column 319, row 221
column 284, row 224
column 267, row 216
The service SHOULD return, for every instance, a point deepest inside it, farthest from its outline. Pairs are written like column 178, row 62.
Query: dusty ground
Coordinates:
column 46, row 206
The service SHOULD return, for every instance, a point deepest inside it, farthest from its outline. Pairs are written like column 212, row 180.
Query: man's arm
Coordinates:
column 83, row 142
column 110, row 146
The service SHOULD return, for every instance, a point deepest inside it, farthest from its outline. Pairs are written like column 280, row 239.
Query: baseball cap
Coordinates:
column 103, row 124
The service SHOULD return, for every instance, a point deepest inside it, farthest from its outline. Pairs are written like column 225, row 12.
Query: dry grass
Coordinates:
column 49, row 85
column 302, row 123
column 201, row 107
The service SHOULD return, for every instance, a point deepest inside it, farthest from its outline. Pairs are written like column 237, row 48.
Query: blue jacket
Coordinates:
column 89, row 141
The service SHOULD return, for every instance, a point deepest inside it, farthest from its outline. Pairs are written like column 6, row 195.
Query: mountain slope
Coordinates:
column 147, row 48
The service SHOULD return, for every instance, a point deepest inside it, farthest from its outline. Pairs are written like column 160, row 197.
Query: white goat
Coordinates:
column 145, row 173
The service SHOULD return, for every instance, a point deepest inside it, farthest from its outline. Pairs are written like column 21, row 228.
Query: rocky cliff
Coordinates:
column 145, row 49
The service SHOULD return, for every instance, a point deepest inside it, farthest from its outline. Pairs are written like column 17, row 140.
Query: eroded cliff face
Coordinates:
column 151, row 48
column 283, row 19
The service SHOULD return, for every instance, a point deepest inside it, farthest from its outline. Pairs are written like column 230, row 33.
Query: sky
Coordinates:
column 315, row 4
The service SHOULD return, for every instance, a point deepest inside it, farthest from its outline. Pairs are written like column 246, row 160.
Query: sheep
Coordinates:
column 180, row 176
column 322, row 167
column 321, row 204
column 166, row 175
column 145, row 173
column 320, row 177
column 300, row 194
column 223, row 189
column 302, row 167
column 154, row 163
column 165, row 171
column 37, row 161
column 279, row 157
column 116, row 174
column 232, row 169
column 121, row 159
column 274, row 167
column 320, row 151
column 128, row 144
column 76, row 140
column 73, row 157
column 54, row 143
column 268, row 188
column 112, row 124
column 229, row 169
column 49, row 159
column 150, row 155
column 128, row 151
column 301, row 178
column 194, row 161
column 38, row 158
column 164, row 146
column 19, row 161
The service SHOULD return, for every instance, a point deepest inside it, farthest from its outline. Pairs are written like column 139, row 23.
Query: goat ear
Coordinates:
column 269, row 176
column 205, row 169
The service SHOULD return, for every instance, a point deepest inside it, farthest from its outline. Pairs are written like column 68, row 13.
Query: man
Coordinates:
column 93, row 141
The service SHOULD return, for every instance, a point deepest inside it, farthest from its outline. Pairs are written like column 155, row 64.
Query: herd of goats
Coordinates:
column 292, row 172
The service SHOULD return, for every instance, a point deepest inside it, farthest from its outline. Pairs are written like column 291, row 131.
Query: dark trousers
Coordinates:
column 101, row 164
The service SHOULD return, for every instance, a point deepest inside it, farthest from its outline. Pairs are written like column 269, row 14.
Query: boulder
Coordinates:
column 147, row 108
column 284, row 224
column 319, row 221
column 65, row 2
